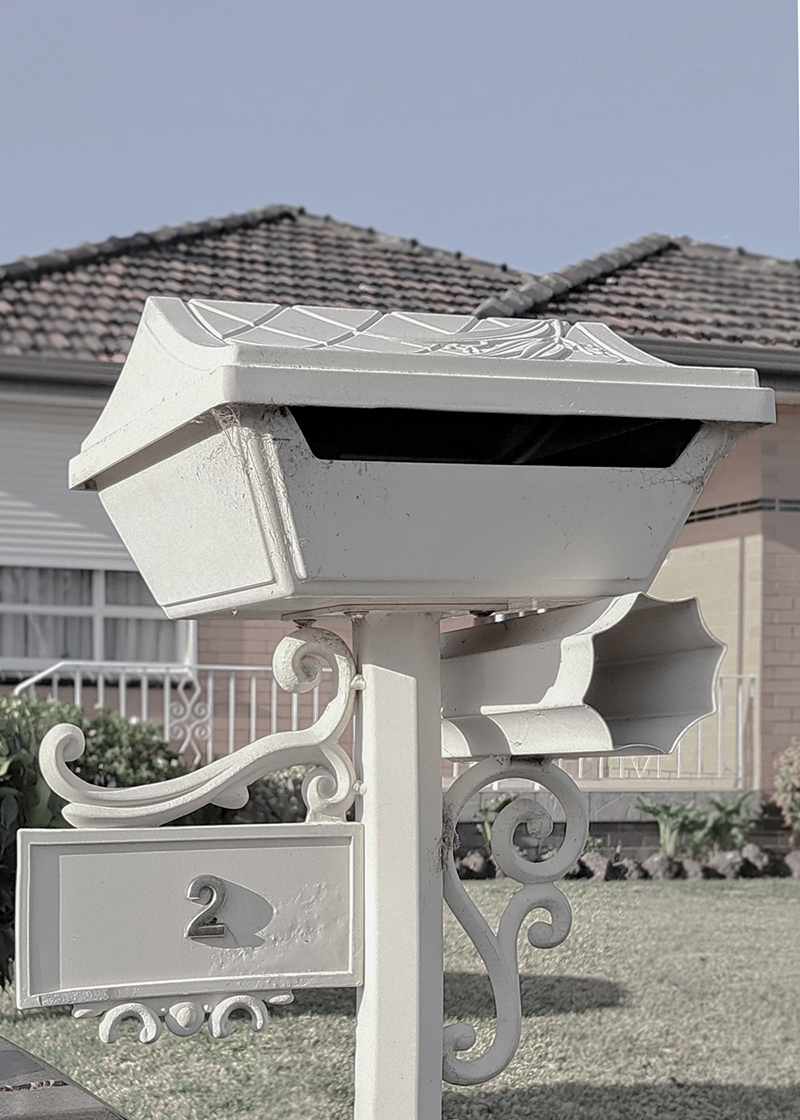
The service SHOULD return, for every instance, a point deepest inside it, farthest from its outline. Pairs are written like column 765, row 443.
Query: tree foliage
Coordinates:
column 119, row 753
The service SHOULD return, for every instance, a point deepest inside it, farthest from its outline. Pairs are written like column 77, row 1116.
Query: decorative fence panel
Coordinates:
column 206, row 710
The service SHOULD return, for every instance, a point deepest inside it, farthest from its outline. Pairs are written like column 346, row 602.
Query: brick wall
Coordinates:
column 233, row 641
column 780, row 683
column 780, row 679
column 745, row 570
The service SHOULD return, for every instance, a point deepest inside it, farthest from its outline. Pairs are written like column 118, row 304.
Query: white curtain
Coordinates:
column 37, row 635
column 43, row 635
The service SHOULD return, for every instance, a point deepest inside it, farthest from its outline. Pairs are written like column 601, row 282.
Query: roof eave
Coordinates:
column 50, row 376
column 777, row 369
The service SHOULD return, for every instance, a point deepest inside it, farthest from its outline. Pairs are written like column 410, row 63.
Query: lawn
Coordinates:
column 672, row 1000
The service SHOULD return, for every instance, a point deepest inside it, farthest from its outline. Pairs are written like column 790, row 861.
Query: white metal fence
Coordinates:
column 205, row 710
column 210, row 710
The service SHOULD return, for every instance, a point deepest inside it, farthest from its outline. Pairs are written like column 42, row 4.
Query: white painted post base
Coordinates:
column 398, row 753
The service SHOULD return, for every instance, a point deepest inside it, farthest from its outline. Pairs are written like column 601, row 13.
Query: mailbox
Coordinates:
column 284, row 461
column 276, row 461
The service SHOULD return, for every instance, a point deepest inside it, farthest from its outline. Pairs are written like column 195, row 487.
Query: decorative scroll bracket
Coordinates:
column 499, row 950
column 328, row 791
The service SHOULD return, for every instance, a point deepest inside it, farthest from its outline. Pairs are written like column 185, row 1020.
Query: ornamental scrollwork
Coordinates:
column 183, row 1016
column 499, row 949
column 190, row 719
column 329, row 790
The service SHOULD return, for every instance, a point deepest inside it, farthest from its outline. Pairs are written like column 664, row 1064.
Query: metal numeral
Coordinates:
column 205, row 923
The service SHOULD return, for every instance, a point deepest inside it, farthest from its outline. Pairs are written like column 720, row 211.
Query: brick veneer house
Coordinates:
column 68, row 586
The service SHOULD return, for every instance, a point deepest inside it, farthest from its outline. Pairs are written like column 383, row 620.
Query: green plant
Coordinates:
column 673, row 821
column 277, row 799
column 487, row 815
column 685, row 827
column 119, row 753
column 787, row 788
column 122, row 752
column 722, row 827
column 26, row 801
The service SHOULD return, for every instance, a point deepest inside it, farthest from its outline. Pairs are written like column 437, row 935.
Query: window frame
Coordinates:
column 99, row 611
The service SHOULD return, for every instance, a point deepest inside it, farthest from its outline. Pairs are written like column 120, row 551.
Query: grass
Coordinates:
column 671, row 1000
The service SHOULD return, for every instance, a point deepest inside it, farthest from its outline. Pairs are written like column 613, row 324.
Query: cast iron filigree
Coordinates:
column 499, row 950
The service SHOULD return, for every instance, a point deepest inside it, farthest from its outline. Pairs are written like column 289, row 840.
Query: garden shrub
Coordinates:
column 673, row 820
column 685, row 828
column 724, row 826
column 118, row 753
column 787, row 788
column 274, row 800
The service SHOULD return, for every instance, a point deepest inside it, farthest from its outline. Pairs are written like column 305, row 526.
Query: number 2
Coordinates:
column 205, row 923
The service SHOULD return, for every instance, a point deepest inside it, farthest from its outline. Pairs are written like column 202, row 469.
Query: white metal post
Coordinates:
column 399, row 1028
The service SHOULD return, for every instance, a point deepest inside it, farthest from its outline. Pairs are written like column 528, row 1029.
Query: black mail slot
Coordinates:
column 409, row 435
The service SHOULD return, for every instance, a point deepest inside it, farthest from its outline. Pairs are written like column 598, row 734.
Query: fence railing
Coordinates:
column 205, row 710
column 210, row 710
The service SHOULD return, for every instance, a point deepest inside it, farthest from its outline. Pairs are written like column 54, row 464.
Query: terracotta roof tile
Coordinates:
column 670, row 287
column 87, row 301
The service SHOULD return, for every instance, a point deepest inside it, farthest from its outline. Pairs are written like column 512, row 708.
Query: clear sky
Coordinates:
column 535, row 132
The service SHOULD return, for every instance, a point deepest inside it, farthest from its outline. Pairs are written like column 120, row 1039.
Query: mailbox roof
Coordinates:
column 188, row 358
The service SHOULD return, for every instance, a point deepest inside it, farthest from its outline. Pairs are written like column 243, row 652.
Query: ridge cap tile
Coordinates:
column 573, row 275
column 114, row 246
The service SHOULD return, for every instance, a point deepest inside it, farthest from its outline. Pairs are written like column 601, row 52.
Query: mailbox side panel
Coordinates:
column 264, row 528
column 103, row 913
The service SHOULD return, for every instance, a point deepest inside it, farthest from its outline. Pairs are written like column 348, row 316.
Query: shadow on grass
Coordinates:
column 319, row 1001
column 469, row 993
column 583, row 1101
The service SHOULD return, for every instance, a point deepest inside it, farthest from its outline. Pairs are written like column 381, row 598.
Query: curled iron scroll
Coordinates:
column 499, row 950
column 183, row 1016
column 329, row 790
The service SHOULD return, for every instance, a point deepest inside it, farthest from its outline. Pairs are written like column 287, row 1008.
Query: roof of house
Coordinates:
column 677, row 298
column 85, row 303
column 682, row 300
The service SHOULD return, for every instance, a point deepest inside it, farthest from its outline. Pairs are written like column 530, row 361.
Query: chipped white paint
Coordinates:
column 612, row 677
column 103, row 917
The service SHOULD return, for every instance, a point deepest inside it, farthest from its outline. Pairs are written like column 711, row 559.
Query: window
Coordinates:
column 54, row 614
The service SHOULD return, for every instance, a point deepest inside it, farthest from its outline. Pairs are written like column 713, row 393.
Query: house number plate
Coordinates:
column 115, row 914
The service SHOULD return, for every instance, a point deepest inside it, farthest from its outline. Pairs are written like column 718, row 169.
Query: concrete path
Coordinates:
column 30, row 1089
